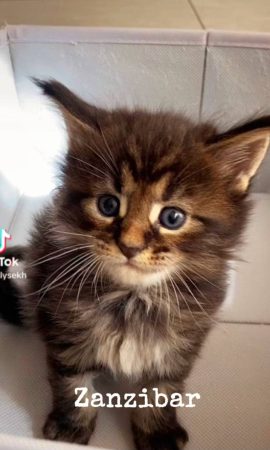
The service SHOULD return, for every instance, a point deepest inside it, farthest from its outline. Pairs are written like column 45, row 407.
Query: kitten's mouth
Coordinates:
column 138, row 268
column 132, row 273
column 135, row 266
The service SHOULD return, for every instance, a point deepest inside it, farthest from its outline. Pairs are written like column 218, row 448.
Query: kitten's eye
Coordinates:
column 172, row 218
column 109, row 205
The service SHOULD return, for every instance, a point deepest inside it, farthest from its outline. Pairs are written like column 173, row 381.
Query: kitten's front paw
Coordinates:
column 61, row 428
column 171, row 439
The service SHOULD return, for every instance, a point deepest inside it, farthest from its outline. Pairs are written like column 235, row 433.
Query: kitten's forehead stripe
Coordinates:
column 133, row 164
column 159, row 187
column 127, row 179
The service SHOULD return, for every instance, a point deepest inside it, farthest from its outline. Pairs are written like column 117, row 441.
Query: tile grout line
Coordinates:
column 15, row 214
column 203, row 77
column 195, row 12
column 18, row 204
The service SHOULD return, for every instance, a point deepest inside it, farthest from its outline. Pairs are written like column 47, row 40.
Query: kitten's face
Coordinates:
column 153, row 195
column 141, row 231
column 138, row 229
column 150, row 200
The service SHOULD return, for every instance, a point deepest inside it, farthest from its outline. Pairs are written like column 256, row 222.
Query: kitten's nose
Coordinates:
column 128, row 251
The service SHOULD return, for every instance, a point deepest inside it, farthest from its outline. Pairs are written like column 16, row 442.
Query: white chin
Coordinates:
column 129, row 276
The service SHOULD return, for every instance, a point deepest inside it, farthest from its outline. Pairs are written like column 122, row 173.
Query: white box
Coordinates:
column 209, row 75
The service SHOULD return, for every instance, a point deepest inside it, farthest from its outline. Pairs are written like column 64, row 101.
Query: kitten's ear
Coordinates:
column 79, row 116
column 239, row 154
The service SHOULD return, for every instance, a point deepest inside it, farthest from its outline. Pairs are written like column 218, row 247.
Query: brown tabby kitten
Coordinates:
column 128, row 265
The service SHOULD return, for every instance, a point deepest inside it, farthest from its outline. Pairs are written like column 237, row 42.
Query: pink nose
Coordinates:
column 129, row 252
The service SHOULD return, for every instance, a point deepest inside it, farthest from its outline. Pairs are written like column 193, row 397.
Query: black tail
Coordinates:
column 9, row 292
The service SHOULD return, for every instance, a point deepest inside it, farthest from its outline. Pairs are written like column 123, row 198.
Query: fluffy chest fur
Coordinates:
column 125, row 353
column 133, row 340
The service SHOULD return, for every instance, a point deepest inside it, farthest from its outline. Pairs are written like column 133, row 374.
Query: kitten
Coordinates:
column 128, row 266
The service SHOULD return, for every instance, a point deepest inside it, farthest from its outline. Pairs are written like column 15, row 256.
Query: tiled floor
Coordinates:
column 241, row 15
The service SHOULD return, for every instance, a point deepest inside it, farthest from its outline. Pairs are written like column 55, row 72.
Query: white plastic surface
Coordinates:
column 151, row 69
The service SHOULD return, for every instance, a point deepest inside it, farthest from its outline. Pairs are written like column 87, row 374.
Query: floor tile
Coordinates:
column 105, row 13
column 240, row 15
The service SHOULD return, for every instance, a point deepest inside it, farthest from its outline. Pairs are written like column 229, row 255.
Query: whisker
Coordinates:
column 73, row 234
column 96, row 279
column 52, row 285
column 168, row 300
column 62, row 274
column 102, row 275
column 196, row 300
column 90, row 165
column 194, row 284
column 176, row 297
column 85, row 277
column 159, row 286
column 98, row 153
column 186, row 302
column 69, row 281
column 90, row 172
column 70, row 265
column 58, row 254
column 108, row 149
column 200, row 276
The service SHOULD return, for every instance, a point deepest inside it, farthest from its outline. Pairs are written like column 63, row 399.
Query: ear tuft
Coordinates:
column 70, row 103
column 47, row 87
column 82, row 120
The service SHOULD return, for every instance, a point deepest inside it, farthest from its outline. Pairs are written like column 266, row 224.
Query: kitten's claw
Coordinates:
column 59, row 428
column 171, row 439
